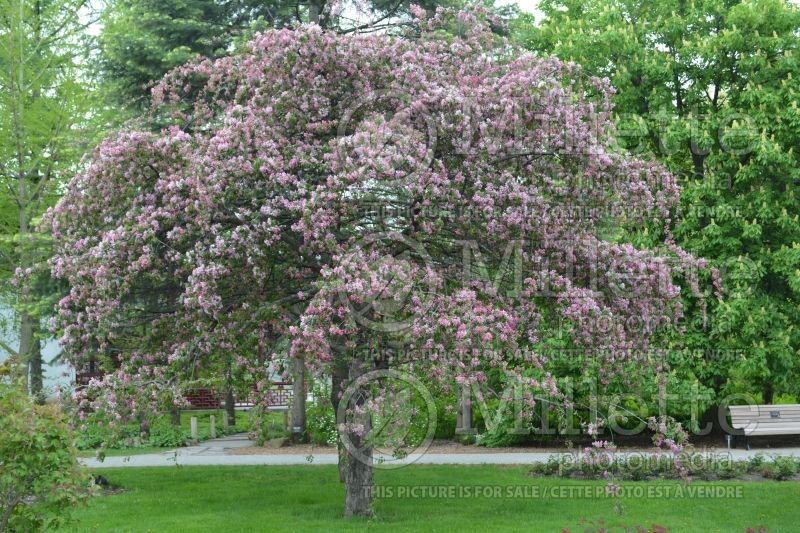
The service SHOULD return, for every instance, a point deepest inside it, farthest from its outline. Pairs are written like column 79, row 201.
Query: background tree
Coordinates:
column 710, row 88
column 142, row 40
column 44, row 110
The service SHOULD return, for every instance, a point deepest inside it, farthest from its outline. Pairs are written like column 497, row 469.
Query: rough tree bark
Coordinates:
column 8, row 508
column 358, row 478
column 298, row 414
column 25, row 342
column 358, row 473
column 338, row 381
column 36, row 372
column 230, row 405
column 769, row 393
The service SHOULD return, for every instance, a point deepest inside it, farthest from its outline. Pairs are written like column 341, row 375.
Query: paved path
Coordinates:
column 215, row 452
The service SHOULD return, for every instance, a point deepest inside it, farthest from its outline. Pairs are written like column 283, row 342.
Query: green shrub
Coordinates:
column 40, row 477
column 94, row 432
column 90, row 435
column 321, row 423
column 664, row 466
column 755, row 463
column 164, row 434
column 781, row 468
column 265, row 425
column 556, row 466
column 502, row 435
column 466, row 440
column 730, row 469
column 320, row 418
column 445, row 422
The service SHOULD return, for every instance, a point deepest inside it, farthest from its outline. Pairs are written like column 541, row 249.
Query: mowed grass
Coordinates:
column 310, row 498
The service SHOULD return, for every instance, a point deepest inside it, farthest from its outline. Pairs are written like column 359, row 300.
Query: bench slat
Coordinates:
column 772, row 431
column 758, row 420
column 771, row 407
column 767, row 426
column 768, row 420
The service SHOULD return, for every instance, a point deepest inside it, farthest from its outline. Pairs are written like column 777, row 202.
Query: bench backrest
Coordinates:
column 764, row 417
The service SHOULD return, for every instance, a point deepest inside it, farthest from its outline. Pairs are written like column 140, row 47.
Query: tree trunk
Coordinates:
column 230, row 406
column 769, row 393
column 338, row 381
column 698, row 159
column 313, row 12
column 36, row 373
column 358, row 475
column 464, row 417
column 176, row 416
column 7, row 510
column 298, row 399
column 26, row 343
column 26, row 321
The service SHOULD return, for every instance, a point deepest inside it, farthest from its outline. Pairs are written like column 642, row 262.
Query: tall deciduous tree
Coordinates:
column 710, row 88
column 43, row 101
column 347, row 177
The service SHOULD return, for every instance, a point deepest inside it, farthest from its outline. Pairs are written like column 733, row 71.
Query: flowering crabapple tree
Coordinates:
column 328, row 189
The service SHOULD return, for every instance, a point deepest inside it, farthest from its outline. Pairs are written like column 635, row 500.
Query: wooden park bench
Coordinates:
column 756, row 420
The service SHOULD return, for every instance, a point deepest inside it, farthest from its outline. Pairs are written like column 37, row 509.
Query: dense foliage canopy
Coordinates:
column 710, row 89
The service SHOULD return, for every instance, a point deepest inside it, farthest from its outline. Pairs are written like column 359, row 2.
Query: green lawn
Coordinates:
column 310, row 498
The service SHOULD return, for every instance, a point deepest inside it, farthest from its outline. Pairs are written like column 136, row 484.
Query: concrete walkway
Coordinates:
column 215, row 452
